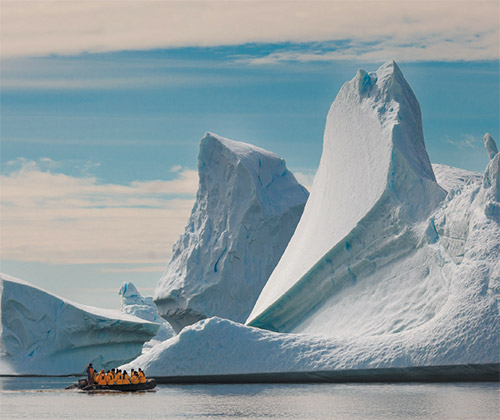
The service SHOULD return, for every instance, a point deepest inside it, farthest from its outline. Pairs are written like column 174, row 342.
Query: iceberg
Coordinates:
column 247, row 207
column 389, row 255
column 44, row 334
column 395, row 263
column 133, row 303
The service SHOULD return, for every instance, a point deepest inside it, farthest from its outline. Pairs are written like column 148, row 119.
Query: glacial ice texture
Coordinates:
column 396, row 256
column 373, row 186
column 44, row 334
column 247, row 207
column 133, row 303
column 438, row 308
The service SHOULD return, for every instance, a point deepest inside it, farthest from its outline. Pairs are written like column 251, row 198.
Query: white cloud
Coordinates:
column 468, row 141
column 305, row 178
column 55, row 218
column 419, row 30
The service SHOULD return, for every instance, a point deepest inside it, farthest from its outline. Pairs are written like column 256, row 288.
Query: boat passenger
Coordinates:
column 110, row 378
column 134, row 378
column 142, row 377
column 126, row 378
column 90, row 374
column 118, row 377
column 102, row 378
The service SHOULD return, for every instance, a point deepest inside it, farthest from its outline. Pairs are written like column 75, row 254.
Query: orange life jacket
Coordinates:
column 110, row 380
column 134, row 379
column 126, row 379
column 102, row 379
column 142, row 378
column 119, row 379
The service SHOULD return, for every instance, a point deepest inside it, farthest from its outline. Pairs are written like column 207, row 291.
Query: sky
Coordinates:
column 103, row 105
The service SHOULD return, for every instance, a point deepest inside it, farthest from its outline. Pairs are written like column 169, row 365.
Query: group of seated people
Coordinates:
column 115, row 377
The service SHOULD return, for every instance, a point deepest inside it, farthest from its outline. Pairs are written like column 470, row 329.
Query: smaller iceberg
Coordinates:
column 47, row 335
column 133, row 303
column 247, row 207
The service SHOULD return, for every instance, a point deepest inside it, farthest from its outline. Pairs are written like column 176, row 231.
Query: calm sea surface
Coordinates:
column 45, row 398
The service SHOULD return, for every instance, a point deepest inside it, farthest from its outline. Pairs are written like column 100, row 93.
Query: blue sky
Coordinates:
column 99, row 143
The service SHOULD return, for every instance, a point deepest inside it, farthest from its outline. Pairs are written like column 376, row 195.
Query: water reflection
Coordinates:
column 21, row 398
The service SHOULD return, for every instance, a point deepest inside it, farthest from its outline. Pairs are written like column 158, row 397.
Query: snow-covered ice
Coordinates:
column 44, row 334
column 247, row 207
column 395, row 263
column 133, row 303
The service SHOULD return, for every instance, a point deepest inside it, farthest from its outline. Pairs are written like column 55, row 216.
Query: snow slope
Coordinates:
column 133, row 303
column 45, row 334
column 246, row 210
column 373, row 184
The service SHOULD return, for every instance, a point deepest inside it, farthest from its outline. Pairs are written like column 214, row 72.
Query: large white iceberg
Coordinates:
column 394, row 264
column 133, row 303
column 247, row 207
column 388, row 255
column 44, row 334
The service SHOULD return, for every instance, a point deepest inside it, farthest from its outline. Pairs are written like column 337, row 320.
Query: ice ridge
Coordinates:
column 374, row 181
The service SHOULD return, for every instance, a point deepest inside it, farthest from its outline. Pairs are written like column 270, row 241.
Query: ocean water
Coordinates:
column 45, row 398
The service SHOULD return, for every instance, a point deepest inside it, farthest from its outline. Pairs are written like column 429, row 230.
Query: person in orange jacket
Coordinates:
column 110, row 378
column 126, row 378
column 118, row 377
column 102, row 378
column 134, row 378
column 142, row 377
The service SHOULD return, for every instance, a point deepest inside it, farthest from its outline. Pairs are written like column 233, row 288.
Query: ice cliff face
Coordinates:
column 133, row 303
column 373, row 186
column 247, row 207
column 44, row 334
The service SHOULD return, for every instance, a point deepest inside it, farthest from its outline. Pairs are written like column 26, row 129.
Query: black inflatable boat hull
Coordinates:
column 149, row 384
